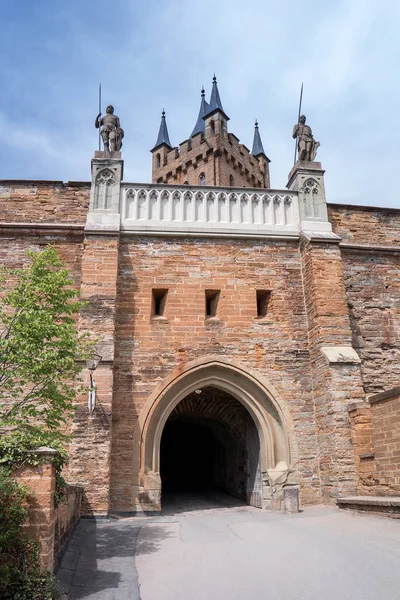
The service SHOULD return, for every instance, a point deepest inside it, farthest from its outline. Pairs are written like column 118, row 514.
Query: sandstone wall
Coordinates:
column 365, row 224
column 67, row 514
column 372, row 280
column 376, row 437
column 43, row 202
column 149, row 349
column 230, row 159
column 40, row 524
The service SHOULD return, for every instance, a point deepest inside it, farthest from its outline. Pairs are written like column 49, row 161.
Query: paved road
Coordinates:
column 212, row 551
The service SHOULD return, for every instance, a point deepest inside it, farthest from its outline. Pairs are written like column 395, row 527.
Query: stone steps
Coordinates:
column 383, row 505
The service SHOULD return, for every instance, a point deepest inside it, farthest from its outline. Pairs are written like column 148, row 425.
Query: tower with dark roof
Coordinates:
column 259, row 153
column 162, row 146
column 211, row 155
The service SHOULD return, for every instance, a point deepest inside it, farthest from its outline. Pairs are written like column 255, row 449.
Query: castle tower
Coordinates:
column 162, row 145
column 215, row 120
column 259, row 154
column 210, row 156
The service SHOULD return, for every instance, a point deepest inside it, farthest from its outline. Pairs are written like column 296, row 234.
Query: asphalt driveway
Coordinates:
column 215, row 548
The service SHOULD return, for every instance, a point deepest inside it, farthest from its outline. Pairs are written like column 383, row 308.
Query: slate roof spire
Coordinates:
column 215, row 101
column 163, row 137
column 257, row 143
column 204, row 107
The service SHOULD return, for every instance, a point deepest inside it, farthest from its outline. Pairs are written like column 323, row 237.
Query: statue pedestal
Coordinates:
column 104, row 212
column 107, row 154
column 307, row 178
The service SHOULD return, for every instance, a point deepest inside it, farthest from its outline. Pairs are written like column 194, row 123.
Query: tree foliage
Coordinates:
column 39, row 345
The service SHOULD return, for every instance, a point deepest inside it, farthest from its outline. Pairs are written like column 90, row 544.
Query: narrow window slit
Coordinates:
column 212, row 297
column 263, row 298
column 159, row 301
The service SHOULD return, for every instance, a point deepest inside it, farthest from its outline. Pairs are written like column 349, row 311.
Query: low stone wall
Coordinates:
column 51, row 526
column 376, row 439
column 41, row 480
column 66, row 517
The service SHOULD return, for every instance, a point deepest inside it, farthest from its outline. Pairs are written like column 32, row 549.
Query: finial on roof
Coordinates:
column 163, row 137
column 200, row 125
column 257, row 143
column 215, row 100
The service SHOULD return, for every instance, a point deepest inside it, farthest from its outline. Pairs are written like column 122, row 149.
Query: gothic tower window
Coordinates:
column 212, row 127
column 231, row 181
column 158, row 160
column 104, row 189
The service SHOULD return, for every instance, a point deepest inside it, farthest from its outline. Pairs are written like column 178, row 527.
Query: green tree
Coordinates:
column 39, row 346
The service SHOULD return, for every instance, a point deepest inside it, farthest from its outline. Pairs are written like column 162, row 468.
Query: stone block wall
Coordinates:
column 335, row 384
column 221, row 158
column 371, row 261
column 45, row 523
column 43, row 201
column 149, row 348
column 376, row 439
column 67, row 514
column 366, row 225
column 40, row 524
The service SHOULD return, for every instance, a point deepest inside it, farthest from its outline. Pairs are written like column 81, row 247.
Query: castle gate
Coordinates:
column 212, row 426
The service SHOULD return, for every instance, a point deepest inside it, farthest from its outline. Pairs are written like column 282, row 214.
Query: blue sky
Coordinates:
column 154, row 55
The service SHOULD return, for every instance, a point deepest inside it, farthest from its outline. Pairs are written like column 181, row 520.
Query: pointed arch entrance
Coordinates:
column 270, row 433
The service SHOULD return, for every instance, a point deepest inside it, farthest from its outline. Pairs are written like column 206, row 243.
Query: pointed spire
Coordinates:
column 204, row 107
column 257, row 143
column 163, row 137
column 215, row 100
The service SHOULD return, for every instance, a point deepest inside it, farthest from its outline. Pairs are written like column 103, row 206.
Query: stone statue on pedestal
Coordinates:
column 111, row 131
column 306, row 145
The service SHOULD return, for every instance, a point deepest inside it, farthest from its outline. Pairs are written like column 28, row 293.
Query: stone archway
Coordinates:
column 260, row 399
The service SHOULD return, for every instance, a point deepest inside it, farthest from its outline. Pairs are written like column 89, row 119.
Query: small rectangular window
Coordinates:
column 159, row 301
column 212, row 297
column 263, row 298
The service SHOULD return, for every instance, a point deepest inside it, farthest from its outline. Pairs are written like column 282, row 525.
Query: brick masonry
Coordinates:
column 321, row 294
column 223, row 161
column 376, row 437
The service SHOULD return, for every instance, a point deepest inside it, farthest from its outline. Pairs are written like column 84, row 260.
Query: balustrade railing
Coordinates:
column 155, row 208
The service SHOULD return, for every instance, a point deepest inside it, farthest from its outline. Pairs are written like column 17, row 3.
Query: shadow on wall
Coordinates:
column 101, row 556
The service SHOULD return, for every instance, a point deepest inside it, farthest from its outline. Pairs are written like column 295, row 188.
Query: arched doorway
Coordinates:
column 209, row 444
column 272, row 427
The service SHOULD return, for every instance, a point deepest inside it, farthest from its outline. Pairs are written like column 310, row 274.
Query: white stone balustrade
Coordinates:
column 204, row 210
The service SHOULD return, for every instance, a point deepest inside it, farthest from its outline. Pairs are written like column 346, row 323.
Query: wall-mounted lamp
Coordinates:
column 92, row 364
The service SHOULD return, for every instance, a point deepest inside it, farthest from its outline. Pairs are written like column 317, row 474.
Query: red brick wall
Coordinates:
column 67, row 514
column 41, row 514
column 334, row 385
column 372, row 283
column 43, row 202
column 376, row 437
column 231, row 158
column 365, row 225
column 148, row 350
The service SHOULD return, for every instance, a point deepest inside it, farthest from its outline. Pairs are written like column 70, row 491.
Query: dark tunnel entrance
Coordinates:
column 210, row 444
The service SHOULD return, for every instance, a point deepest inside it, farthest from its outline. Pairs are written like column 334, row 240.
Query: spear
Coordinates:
column 100, row 113
column 298, row 119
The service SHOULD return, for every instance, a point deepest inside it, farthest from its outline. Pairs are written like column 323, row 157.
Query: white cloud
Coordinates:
column 150, row 56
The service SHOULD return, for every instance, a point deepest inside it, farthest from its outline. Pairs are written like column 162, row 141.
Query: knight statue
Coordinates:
column 111, row 131
column 306, row 145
